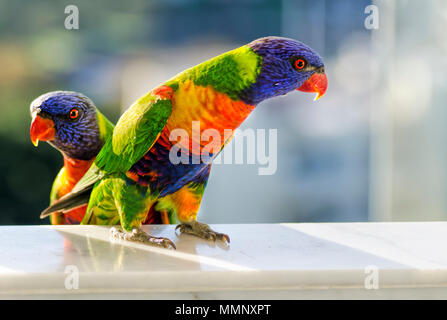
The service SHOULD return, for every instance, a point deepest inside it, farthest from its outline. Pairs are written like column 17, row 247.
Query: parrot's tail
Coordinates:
column 70, row 201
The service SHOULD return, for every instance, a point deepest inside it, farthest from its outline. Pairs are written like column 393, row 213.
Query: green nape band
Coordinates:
column 229, row 73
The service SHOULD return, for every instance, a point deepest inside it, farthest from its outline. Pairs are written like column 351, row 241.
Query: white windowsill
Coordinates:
column 278, row 261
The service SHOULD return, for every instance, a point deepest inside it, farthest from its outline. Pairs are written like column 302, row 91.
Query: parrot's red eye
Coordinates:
column 300, row 64
column 74, row 113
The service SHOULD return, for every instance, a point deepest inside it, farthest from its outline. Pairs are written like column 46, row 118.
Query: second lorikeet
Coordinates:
column 71, row 123
column 134, row 171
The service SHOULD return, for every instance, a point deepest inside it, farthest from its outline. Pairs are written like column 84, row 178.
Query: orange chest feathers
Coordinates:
column 72, row 172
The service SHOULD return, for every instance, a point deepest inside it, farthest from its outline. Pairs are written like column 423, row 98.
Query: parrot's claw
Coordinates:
column 202, row 230
column 138, row 235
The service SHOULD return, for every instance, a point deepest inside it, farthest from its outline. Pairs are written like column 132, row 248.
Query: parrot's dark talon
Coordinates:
column 137, row 235
column 203, row 231
column 169, row 243
column 184, row 228
column 211, row 236
column 164, row 242
column 223, row 237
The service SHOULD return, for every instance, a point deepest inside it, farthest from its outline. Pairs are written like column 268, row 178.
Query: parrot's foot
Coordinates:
column 202, row 230
column 138, row 235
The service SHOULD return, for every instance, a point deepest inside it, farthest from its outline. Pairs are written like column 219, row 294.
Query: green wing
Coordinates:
column 134, row 134
column 105, row 126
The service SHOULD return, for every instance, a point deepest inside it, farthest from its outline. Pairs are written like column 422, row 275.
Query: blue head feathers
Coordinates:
column 68, row 121
column 286, row 65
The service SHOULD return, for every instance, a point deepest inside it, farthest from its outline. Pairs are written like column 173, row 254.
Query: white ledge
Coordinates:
column 325, row 260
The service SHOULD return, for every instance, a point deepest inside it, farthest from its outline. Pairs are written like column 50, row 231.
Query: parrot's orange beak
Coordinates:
column 41, row 129
column 316, row 83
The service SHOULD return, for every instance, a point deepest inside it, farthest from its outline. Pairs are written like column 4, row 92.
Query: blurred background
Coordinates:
column 371, row 150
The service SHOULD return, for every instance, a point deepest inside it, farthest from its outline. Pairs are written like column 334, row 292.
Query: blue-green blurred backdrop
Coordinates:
column 371, row 149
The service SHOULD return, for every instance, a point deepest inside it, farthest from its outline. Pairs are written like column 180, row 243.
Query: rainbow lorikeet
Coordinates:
column 70, row 122
column 134, row 170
